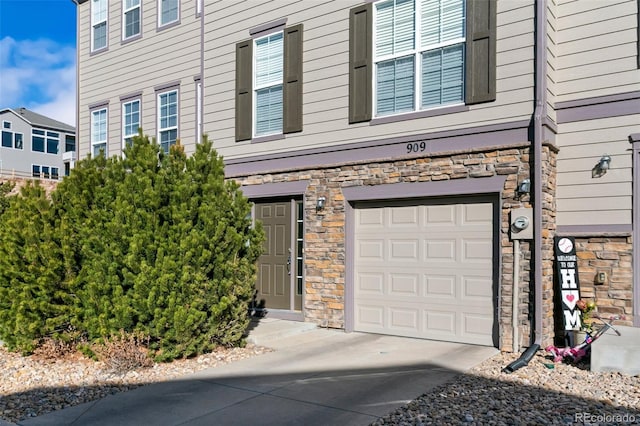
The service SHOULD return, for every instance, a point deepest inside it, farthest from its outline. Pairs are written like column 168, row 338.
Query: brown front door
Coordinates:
column 275, row 266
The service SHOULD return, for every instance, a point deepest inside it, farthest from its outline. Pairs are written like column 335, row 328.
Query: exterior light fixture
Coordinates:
column 601, row 168
column 320, row 203
column 524, row 187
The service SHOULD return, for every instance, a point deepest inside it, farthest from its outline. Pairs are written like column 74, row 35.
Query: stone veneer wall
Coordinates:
column 325, row 232
column 613, row 255
column 48, row 184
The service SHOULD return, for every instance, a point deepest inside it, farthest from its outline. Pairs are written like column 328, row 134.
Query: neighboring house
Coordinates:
column 389, row 145
column 35, row 146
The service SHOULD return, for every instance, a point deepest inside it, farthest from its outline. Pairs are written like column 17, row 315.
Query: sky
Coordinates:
column 38, row 57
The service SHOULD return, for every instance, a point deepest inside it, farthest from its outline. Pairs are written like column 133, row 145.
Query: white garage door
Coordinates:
column 425, row 271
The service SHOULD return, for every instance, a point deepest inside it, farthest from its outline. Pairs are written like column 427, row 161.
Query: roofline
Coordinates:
column 40, row 125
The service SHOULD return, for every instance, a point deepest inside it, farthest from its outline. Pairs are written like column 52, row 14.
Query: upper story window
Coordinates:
column 17, row 140
column 419, row 54
column 69, row 143
column 7, row 139
column 268, row 84
column 130, row 18
column 413, row 55
column 99, row 132
column 6, row 125
column 37, row 140
column 130, row 121
column 53, row 142
column 169, row 11
column 167, row 119
column 99, row 15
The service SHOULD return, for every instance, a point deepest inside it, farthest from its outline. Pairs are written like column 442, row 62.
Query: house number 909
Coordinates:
column 416, row 147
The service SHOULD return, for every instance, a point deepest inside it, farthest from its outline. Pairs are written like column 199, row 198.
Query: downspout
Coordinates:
column 539, row 113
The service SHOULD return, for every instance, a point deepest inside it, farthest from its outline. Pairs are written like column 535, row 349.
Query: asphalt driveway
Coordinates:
column 314, row 377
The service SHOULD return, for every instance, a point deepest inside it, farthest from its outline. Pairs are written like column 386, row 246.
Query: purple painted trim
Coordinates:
column 271, row 27
column 469, row 186
column 459, row 140
column 634, row 139
column 618, row 230
column 269, row 138
column 418, row 114
column 97, row 52
column 550, row 124
column 129, row 96
column 167, row 26
column 98, row 104
column 166, row 86
column 278, row 189
column 598, row 100
column 596, row 111
column 130, row 39
column 349, row 273
column 197, row 77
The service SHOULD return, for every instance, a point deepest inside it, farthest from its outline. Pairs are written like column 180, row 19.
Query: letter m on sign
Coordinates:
column 571, row 319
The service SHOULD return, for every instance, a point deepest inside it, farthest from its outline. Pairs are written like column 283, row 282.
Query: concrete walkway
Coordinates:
column 314, row 377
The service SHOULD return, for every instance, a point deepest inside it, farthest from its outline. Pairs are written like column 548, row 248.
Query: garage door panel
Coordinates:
column 425, row 271
column 440, row 250
column 403, row 249
column 404, row 284
column 443, row 286
column 371, row 283
column 371, row 250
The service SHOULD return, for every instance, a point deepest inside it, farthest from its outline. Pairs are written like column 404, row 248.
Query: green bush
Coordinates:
column 148, row 243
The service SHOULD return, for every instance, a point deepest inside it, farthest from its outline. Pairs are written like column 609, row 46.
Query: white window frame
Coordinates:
column 15, row 140
column 417, row 52
column 125, row 11
column 94, row 140
column 164, row 24
column 44, row 139
column 4, row 125
column 257, row 87
column 96, row 21
column 126, row 135
column 160, row 116
column 50, row 136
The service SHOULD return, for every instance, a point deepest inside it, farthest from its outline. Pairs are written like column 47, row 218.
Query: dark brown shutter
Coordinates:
column 481, row 51
column 292, row 90
column 360, row 63
column 244, row 87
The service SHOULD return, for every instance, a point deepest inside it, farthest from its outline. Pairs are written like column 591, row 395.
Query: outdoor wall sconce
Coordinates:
column 601, row 168
column 320, row 203
column 524, row 187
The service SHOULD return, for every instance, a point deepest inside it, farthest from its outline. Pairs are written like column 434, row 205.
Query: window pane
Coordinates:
column 168, row 139
column 443, row 76
column 69, row 143
column 6, row 124
column 132, row 23
column 17, row 138
column 131, row 111
column 45, row 171
column 131, row 3
column 169, row 11
column 269, row 110
column 35, row 171
column 100, row 36
column 442, row 21
column 395, row 27
column 37, row 143
column 7, row 139
column 54, row 173
column 99, row 149
column 52, row 146
column 269, row 60
column 38, row 132
column 395, row 85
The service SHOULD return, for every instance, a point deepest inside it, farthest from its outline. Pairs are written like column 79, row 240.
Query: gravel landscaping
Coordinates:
column 533, row 395
column 541, row 393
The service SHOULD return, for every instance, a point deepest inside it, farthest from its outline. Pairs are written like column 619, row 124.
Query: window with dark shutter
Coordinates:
column 292, row 79
column 244, row 96
column 452, row 41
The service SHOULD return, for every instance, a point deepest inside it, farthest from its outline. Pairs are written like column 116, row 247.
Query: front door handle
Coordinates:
column 289, row 263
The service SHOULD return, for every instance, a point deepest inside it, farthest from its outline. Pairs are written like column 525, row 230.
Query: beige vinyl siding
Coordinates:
column 581, row 198
column 596, row 43
column 326, row 75
column 157, row 58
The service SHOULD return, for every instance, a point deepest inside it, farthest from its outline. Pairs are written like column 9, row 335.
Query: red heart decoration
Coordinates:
column 570, row 297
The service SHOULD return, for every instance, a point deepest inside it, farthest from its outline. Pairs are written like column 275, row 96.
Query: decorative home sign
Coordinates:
column 567, row 273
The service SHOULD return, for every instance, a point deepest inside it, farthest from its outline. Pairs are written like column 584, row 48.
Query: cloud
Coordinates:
column 39, row 75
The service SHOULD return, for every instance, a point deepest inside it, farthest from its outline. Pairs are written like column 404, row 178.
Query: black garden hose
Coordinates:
column 523, row 360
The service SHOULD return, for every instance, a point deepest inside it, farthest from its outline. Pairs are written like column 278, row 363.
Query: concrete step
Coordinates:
column 266, row 330
column 617, row 353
